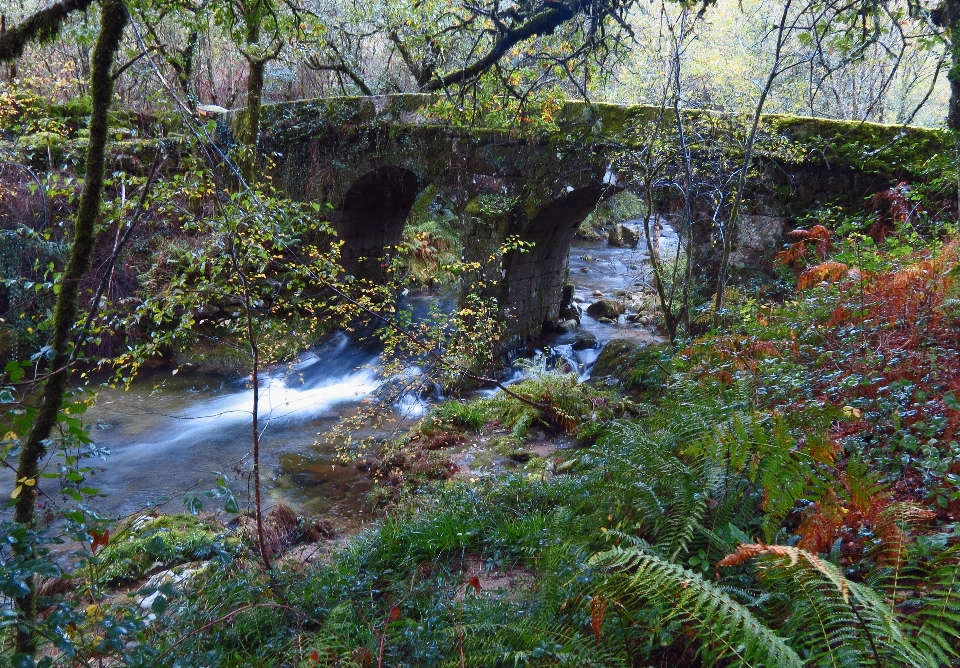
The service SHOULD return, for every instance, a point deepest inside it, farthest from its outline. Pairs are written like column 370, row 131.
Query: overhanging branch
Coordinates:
column 40, row 27
column 542, row 23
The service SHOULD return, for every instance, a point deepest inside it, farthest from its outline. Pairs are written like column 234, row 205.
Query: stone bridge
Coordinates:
column 371, row 158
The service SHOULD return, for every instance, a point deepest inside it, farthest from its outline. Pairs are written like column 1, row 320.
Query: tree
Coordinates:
column 945, row 16
column 258, row 28
column 113, row 20
column 447, row 48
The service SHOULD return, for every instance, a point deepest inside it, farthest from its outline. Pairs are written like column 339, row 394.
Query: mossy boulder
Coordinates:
column 623, row 236
column 606, row 308
column 43, row 146
column 148, row 542
column 615, row 359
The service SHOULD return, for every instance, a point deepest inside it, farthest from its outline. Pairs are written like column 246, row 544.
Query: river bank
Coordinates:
column 176, row 429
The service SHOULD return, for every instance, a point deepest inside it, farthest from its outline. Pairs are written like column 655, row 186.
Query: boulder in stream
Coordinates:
column 585, row 341
column 606, row 308
column 571, row 312
column 623, row 236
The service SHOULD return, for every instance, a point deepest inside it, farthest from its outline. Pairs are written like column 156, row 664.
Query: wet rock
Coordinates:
column 623, row 236
column 176, row 576
column 566, row 326
column 552, row 326
column 585, row 341
column 584, row 270
column 607, row 321
column 606, row 308
column 520, row 456
column 571, row 312
column 615, row 359
column 597, row 293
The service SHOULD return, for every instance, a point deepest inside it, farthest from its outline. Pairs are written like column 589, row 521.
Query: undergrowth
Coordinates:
column 781, row 492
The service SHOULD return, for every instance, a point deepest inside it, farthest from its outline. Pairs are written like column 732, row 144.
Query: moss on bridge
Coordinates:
column 897, row 150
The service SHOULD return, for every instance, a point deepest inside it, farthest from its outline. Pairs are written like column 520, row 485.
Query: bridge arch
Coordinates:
column 533, row 281
column 370, row 218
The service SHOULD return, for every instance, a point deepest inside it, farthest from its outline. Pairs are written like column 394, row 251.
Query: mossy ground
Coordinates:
column 147, row 543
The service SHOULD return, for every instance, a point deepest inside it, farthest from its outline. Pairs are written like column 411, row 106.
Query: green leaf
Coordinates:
column 156, row 546
column 15, row 370
column 159, row 605
column 22, row 660
column 193, row 504
column 232, row 506
column 950, row 399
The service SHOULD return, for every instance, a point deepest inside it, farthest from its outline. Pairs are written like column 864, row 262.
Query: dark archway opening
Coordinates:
column 533, row 281
column 371, row 217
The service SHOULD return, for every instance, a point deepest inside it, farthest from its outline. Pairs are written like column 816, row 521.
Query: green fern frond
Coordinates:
column 937, row 621
column 723, row 629
column 828, row 619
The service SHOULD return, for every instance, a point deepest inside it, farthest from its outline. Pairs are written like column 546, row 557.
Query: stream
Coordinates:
column 170, row 433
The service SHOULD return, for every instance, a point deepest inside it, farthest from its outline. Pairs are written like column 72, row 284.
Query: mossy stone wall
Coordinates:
column 540, row 183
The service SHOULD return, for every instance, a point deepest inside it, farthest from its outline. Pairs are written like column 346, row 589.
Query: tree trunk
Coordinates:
column 113, row 20
column 252, row 130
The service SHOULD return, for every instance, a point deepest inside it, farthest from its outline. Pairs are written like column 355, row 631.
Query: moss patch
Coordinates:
column 164, row 541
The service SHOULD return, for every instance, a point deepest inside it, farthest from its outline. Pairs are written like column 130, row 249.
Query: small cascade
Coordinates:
column 170, row 432
column 178, row 429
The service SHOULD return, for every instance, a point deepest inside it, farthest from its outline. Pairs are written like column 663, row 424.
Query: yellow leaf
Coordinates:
column 16, row 492
column 10, row 436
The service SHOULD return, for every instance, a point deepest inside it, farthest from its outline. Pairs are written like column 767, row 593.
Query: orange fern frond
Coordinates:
column 747, row 551
column 821, row 527
column 794, row 554
column 792, row 254
column 893, row 527
column 598, row 607
column 823, row 448
column 829, row 272
column 891, row 206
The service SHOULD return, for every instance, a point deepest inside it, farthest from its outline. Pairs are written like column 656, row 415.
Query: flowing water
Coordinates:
column 171, row 434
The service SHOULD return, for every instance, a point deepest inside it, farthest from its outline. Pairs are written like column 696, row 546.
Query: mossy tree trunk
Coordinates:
column 113, row 20
column 255, row 79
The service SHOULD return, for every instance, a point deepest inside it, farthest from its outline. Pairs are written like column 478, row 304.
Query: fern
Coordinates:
column 723, row 629
column 937, row 621
column 826, row 618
